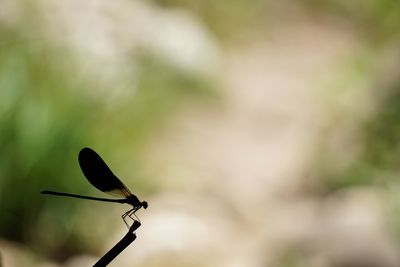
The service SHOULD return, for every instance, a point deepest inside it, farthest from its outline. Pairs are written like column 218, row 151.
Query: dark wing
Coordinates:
column 99, row 175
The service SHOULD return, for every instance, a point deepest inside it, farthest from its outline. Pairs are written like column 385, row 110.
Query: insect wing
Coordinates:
column 99, row 174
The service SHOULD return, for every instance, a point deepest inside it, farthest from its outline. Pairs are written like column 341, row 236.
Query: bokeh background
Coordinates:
column 262, row 133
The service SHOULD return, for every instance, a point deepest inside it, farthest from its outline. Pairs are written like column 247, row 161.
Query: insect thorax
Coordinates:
column 133, row 200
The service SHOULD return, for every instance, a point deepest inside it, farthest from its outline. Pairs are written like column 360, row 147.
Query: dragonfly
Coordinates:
column 100, row 176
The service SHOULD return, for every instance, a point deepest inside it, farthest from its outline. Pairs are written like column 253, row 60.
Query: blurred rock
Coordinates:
column 16, row 255
column 179, row 232
column 81, row 260
column 250, row 155
column 11, row 14
column 352, row 232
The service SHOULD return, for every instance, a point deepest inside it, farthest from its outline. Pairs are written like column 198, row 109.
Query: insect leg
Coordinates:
column 124, row 217
column 132, row 212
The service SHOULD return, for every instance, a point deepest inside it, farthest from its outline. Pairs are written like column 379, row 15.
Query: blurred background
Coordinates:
column 262, row 133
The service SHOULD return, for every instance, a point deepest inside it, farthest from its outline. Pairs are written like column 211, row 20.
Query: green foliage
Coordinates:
column 378, row 19
column 382, row 139
column 38, row 132
column 292, row 257
column 379, row 157
column 226, row 18
column 48, row 113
